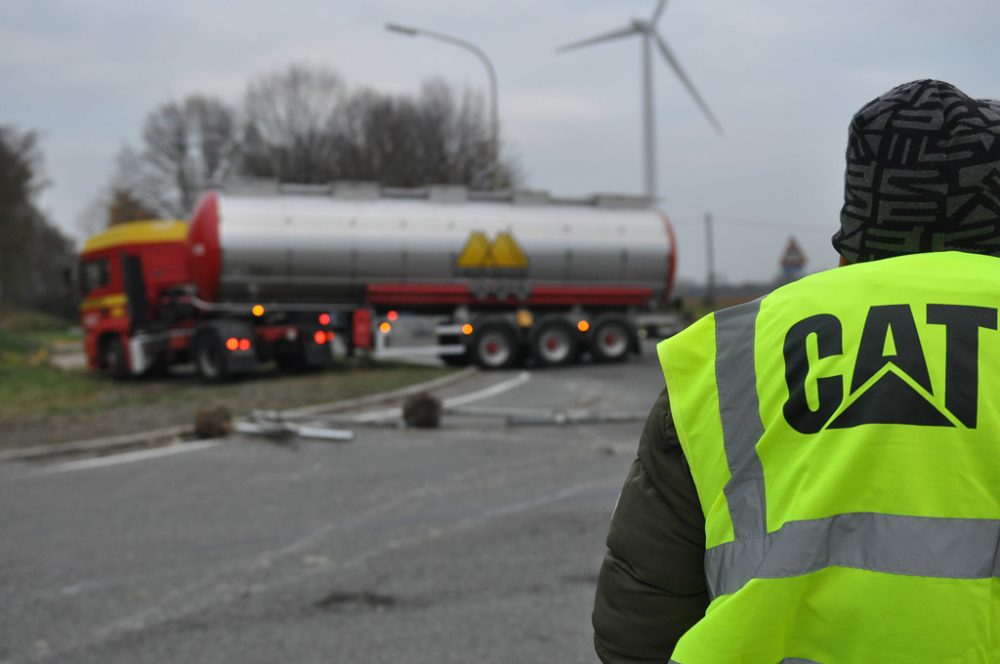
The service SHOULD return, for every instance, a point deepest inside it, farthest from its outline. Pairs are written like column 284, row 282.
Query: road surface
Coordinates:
column 475, row 542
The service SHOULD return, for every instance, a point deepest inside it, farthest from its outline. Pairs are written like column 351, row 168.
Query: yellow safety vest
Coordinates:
column 843, row 433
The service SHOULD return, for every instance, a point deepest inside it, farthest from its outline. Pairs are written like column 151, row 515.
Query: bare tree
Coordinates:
column 124, row 206
column 434, row 137
column 186, row 147
column 301, row 125
column 291, row 120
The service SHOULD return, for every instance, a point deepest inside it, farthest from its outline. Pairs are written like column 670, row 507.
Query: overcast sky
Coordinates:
column 782, row 76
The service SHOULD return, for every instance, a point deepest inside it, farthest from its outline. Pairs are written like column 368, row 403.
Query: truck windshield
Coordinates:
column 93, row 274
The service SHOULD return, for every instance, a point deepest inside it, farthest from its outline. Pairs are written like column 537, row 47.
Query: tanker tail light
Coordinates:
column 467, row 329
column 324, row 319
column 257, row 310
column 583, row 325
column 234, row 344
column 392, row 315
column 384, row 327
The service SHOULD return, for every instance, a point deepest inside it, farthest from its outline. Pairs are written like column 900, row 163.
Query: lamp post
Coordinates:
column 475, row 50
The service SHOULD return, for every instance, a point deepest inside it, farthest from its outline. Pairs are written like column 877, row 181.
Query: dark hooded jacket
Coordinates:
column 651, row 588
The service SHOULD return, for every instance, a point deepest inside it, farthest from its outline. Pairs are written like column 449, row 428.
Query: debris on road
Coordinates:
column 274, row 425
column 542, row 416
column 213, row 422
column 422, row 411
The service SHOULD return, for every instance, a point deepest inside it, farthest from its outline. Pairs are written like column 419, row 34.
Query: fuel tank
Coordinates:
column 325, row 247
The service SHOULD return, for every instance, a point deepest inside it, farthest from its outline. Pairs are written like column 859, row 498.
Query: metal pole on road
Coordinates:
column 475, row 50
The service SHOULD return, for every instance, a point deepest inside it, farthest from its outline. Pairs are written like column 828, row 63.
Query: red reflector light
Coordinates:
column 392, row 315
column 244, row 344
column 232, row 343
column 320, row 337
column 324, row 319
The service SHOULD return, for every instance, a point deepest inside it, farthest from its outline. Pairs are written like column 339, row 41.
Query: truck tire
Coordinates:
column 610, row 339
column 209, row 356
column 494, row 346
column 554, row 343
column 113, row 359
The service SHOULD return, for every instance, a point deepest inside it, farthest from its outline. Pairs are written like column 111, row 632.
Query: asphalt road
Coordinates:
column 476, row 542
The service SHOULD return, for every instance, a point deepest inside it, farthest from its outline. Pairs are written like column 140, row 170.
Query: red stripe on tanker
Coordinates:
column 311, row 248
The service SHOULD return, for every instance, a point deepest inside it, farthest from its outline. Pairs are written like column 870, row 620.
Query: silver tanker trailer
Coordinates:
column 297, row 274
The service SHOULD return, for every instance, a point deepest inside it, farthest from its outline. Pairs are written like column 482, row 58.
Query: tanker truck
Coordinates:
column 297, row 274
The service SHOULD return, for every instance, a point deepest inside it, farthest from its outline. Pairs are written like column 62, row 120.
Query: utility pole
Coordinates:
column 710, row 255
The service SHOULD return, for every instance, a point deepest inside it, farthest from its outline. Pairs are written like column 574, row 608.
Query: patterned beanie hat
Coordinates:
column 923, row 174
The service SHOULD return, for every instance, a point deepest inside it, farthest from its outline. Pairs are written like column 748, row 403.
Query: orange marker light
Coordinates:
column 324, row 319
column 392, row 315
column 320, row 337
column 232, row 343
column 258, row 310
column 467, row 329
column 384, row 327
column 244, row 344
column 583, row 326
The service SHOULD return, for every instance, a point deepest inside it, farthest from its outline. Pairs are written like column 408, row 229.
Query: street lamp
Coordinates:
column 494, row 119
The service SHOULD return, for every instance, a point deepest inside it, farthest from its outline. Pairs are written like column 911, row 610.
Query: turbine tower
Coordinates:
column 650, row 36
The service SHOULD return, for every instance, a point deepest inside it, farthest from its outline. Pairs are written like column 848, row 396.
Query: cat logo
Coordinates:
column 890, row 383
column 503, row 253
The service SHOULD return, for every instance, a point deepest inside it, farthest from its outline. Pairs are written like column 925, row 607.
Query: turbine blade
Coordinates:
column 687, row 82
column 608, row 36
column 659, row 10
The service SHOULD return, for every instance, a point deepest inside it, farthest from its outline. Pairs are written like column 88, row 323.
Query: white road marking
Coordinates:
column 451, row 402
column 126, row 457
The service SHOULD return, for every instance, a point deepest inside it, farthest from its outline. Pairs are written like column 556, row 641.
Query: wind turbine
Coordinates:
column 650, row 35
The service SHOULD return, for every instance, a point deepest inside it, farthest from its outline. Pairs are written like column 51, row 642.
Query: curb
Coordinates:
column 38, row 452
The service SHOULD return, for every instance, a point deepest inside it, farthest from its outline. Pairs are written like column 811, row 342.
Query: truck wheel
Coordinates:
column 494, row 346
column 209, row 356
column 113, row 358
column 553, row 344
column 610, row 339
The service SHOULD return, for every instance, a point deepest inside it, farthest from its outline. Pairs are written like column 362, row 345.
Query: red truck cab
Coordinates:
column 122, row 272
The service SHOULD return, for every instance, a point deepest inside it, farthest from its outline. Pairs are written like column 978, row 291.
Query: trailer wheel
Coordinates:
column 113, row 359
column 209, row 356
column 494, row 346
column 610, row 339
column 553, row 343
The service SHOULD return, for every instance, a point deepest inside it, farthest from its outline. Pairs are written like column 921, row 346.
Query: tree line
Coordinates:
column 35, row 257
column 302, row 124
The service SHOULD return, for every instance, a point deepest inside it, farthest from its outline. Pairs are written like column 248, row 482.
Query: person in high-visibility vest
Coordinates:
column 820, row 479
